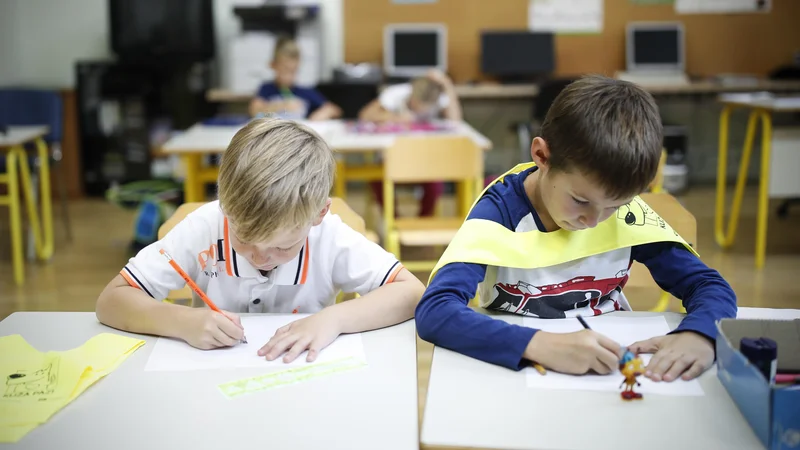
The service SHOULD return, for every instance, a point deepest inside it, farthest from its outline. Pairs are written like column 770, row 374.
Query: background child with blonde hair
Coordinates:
column 268, row 244
column 424, row 98
column 286, row 99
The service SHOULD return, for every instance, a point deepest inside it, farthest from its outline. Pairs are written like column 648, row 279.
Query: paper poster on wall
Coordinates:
column 722, row 6
column 566, row 16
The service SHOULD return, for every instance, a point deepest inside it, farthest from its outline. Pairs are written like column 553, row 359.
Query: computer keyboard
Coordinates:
column 655, row 78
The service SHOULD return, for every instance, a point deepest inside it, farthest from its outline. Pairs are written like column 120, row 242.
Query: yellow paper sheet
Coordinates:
column 34, row 385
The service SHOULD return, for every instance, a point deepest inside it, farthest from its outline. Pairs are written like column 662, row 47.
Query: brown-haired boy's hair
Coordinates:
column 286, row 47
column 607, row 129
column 425, row 90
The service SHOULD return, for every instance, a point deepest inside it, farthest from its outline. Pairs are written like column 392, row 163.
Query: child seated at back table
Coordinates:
column 425, row 98
column 283, row 97
column 556, row 238
column 268, row 245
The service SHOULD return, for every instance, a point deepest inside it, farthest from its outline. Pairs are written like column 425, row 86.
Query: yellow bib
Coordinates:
column 486, row 242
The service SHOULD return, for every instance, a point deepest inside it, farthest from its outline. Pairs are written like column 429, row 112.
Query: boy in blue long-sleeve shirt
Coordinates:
column 599, row 147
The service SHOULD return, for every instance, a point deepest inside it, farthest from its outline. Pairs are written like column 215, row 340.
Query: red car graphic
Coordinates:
column 550, row 301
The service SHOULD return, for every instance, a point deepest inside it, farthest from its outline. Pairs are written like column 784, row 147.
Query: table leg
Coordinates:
column 43, row 230
column 725, row 238
column 15, row 214
column 763, row 190
column 191, row 190
column 340, row 180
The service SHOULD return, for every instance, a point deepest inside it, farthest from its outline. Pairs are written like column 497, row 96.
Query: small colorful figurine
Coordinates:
column 631, row 366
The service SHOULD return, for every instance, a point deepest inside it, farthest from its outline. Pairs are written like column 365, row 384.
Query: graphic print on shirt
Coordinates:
column 551, row 301
column 637, row 213
column 210, row 258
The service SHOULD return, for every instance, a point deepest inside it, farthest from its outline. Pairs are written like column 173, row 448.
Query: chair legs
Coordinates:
column 663, row 304
column 63, row 200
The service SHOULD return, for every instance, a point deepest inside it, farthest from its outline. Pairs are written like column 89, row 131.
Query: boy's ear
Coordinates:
column 323, row 212
column 540, row 152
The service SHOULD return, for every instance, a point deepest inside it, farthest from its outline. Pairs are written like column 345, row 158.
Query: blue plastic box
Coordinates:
column 773, row 412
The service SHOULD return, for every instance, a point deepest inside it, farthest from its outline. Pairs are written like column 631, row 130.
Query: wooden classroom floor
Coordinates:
column 79, row 270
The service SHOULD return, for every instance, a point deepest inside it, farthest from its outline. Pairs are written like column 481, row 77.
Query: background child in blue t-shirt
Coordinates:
column 283, row 97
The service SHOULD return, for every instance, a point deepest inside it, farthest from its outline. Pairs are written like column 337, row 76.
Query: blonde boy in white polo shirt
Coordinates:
column 268, row 245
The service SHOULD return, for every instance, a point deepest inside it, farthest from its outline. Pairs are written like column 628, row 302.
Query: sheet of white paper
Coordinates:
column 722, row 6
column 175, row 355
column 625, row 331
column 566, row 16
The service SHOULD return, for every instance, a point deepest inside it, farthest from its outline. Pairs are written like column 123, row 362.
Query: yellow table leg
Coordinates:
column 192, row 189
column 725, row 238
column 15, row 214
column 340, row 180
column 42, row 229
column 763, row 190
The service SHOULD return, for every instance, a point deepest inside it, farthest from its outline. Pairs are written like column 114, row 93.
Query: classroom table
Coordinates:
column 369, row 408
column 761, row 107
column 529, row 91
column 482, row 406
column 12, row 144
column 201, row 140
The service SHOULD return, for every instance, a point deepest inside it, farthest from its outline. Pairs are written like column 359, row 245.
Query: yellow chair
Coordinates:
column 429, row 159
column 657, row 185
column 683, row 222
column 338, row 206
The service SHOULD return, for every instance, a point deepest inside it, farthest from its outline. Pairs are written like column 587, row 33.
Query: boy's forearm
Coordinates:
column 453, row 325
column 388, row 305
column 128, row 309
column 326, row 112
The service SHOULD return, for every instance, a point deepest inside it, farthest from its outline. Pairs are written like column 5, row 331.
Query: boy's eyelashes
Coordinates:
column 585, row 202
column 580, row 202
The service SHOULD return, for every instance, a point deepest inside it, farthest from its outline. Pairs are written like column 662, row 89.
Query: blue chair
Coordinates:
column 22, row 106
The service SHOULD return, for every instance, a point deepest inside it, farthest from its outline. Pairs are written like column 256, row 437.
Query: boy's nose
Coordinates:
column 590, row 220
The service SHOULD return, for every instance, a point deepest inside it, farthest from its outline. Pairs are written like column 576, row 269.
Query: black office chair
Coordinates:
column 351, row 97
column 548, row 91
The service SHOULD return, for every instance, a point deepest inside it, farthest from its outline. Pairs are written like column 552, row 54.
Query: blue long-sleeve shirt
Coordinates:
column 444, row 319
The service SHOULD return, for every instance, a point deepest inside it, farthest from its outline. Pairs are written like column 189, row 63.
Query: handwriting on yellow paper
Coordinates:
column 35, row 385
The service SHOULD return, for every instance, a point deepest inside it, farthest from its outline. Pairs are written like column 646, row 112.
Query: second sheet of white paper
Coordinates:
column 176, row 355
column 625, row 331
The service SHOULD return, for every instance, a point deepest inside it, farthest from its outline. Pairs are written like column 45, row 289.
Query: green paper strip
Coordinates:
column 287, row 377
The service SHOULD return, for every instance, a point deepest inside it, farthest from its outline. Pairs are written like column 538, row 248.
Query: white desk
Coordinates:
column 478, row 405
column 215, row 139
column 370, row 408
column 22, row 135
column 201, row 140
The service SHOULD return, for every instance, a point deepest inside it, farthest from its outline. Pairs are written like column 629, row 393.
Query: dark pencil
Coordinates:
column 583, row 322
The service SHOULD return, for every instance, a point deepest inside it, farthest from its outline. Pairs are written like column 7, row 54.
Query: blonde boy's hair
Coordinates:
column 275, row 176
column 286, row 47
column 425, row 90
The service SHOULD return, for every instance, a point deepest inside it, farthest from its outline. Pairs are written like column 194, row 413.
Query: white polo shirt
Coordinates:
column 334, row 258
column 395, row 98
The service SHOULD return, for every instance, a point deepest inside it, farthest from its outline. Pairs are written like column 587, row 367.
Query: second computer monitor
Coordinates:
column 655, row 47
column 517, row 55
column 411, row 50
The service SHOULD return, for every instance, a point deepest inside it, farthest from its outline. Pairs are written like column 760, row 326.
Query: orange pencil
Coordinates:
column 539, row 368
column 194, row 286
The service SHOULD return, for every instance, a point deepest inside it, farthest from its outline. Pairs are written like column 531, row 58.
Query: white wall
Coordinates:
column 40, row 40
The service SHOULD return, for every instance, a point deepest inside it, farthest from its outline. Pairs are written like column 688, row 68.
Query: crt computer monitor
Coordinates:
column 411, row 50
column 655, row 47
column 517, row 54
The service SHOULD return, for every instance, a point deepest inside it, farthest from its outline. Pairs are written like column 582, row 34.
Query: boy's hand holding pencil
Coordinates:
column 207, row 329
column 211, row 328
